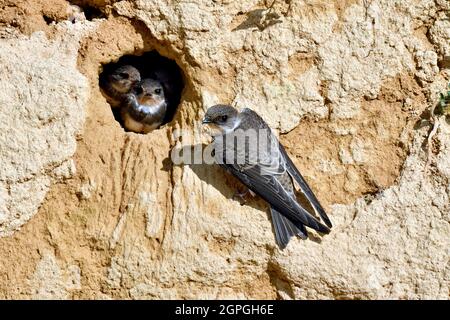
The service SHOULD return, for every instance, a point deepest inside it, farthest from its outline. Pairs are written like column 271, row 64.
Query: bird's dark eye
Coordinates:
column 158, row 91
column 124, row 75
column 223, row 118
column 139, row 90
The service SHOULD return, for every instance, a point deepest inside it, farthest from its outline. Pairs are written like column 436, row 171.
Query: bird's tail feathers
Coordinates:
column 285, row 228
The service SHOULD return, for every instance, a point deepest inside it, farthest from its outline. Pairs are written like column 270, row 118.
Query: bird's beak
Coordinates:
column 206, row 120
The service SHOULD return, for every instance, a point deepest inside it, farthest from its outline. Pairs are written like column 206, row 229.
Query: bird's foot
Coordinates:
column 242, row 194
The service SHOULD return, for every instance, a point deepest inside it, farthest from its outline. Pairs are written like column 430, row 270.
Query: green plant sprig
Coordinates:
column 443, row 107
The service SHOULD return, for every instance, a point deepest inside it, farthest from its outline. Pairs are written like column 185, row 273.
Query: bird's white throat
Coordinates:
column 151, row 109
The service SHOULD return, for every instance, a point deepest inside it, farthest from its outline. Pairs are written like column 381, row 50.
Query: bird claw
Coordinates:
column 241, row 195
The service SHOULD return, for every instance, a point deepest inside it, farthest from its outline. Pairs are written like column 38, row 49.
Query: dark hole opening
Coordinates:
column 48, row 19
column 90, row 12
column 151, row 65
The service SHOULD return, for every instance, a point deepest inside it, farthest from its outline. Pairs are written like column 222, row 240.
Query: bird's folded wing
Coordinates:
column 269, row 188
column 304, row 187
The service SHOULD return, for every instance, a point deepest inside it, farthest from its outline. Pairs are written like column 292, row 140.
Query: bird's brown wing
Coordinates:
column 268, row 187
column 304, row 187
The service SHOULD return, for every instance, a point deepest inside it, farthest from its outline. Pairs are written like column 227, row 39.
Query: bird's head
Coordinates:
column 149, row 92
column 124, row 78
column 222, row 118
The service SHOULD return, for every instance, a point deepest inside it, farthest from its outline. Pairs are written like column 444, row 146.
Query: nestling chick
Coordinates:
column 144, row 107
column 118, row 83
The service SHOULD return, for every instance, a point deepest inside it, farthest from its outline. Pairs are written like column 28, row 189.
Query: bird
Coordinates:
column 171, row 81
column 144, row 107
column 268, row 172
column 118, row 82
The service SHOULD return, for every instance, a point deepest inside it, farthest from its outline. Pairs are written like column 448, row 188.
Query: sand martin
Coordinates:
column 172, row 83
column 144, row 107
column 117, row 83
column 265, row 168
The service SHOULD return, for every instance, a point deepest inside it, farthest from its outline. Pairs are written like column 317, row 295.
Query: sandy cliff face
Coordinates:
column 88, row 210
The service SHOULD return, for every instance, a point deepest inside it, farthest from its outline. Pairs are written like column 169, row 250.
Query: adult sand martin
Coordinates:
column 117, row 83
column 144, row 107
column 265, row 168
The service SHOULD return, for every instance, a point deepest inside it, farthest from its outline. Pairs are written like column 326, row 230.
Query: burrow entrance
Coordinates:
column 152, row 70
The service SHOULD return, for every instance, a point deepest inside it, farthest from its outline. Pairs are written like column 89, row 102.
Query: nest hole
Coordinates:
column 90, row 12
column 151, row 65
column 48, row 20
